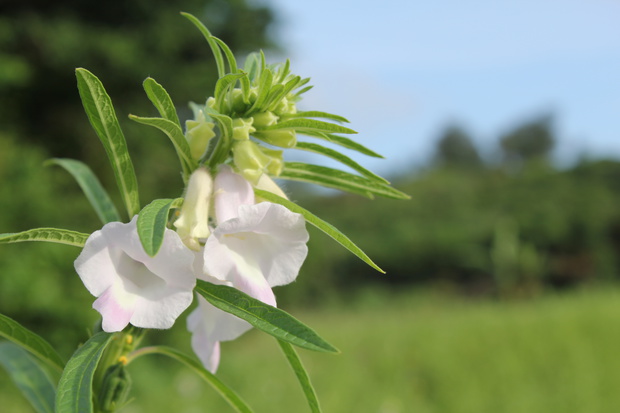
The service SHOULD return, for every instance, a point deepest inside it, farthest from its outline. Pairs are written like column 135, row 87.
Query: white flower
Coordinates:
column 253, row 248
column 131, row 286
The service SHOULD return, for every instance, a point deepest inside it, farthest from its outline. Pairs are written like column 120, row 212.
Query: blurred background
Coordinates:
column 500, row 120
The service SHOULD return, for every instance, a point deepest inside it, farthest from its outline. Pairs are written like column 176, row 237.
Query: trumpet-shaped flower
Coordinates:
column 131, row 286
column 253, row 248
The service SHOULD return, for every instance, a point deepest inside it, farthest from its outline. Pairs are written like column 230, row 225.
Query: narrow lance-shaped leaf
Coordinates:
column 161, row 100
column 264, row 87
column 271, row 320
column 29, row 377
column 152, row 222
column 302, row 376
column 226, row 392
column 318, row 114
column 58, row 236
column 75, row 388
column 302, row 124
column 98, row 107
column 229, row 54
column 217, row 53
column 342, row 141
column 92, row 188
column 326, row 227
column 26, row 339
column 322, row 150
column 337, row 179
column 175, row 133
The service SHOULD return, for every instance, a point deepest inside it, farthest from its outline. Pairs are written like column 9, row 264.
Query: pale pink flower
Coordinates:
column 253, row 248
column 131, row 286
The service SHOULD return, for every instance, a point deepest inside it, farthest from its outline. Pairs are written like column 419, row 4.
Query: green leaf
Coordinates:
column 29, row 377
column 343, row 141
column 334, row 178
column 303, row 124
column 175, row 133
column 278, row 94
column 95, row 193
column 252, row 65
column 226, row 392
column 326, row 227
column 322, row 150
column 264, row 88
column 271, row 320
column 152, row 222
column 318, row 114
column 35, row 344
column 100, row 111
column 75, row 388
column 229, row 54
column 161, row 100
column 215, row 49
column 302, row 375
column 58, row 236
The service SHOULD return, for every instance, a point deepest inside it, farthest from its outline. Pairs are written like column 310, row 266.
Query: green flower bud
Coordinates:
column 114, row 388
column 264, row 119
column 286, row 107
column 242, row 129
column 199, row 133
column 284, row 138
column 252, row 161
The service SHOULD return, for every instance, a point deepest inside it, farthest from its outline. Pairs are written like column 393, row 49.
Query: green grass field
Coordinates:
column 415, row 352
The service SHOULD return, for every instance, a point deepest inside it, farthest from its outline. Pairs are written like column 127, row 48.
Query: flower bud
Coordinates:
column 199, row 133
column 284, row 138
column 252, row 160
column 193, row 222
column 264, row 119
column 267, row 184
column 242, row 129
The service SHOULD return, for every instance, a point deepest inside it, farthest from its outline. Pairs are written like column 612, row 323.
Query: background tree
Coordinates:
column 122, row 42
column 530, row 141
column 455, row 148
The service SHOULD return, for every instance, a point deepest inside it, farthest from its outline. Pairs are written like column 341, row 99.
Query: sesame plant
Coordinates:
column 222, row 245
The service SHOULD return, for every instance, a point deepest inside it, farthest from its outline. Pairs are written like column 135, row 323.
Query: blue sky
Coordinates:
column 402, row 70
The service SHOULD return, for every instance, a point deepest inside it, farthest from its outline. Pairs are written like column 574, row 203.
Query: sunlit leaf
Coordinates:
column 175, row 133
column 302, row 376
column 313, row 147
column 98, row 107
column 342, row 141
column 271, row 320
column 75, row 388
column 58, row 236
column 334, row 178
column 161, row 100
column 302, row 124
column 152, row 222
column 318, row 114
column 217, row 53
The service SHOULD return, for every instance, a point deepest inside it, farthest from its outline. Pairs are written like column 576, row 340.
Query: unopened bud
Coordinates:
column 284, row 138
column 193, row 222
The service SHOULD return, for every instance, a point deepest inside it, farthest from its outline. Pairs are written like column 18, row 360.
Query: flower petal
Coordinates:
column 148, row 292
column 209, row 326
column 265, row 239
column 231, row 191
